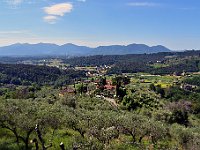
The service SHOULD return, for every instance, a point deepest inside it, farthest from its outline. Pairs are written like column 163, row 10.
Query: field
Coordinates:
column 145, row 80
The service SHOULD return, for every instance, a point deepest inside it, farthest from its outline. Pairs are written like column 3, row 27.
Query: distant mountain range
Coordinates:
column 75, row 50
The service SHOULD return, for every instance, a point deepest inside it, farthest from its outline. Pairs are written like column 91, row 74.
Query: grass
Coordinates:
column 159, row 65
column 65, row 136
column 86, row 68
column 145, row 80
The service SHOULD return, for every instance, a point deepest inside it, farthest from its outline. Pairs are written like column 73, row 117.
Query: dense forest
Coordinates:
column 112, row 59
column 169, row 62
column 20, row 74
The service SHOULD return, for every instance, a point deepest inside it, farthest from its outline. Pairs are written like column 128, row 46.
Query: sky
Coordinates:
column 172, row 23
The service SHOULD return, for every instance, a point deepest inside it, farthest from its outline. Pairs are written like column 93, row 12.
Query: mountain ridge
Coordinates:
column 26, row 49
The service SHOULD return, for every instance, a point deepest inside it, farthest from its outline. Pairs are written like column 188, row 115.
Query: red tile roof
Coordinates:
column 109, row 87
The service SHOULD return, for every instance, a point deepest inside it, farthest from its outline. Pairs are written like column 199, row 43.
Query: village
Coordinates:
column 102, row 86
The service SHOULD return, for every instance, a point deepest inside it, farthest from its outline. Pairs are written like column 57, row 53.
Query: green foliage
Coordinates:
column 193, row 80
column 69, row 101
column 81, row 88
column 102, row 81
column 148, row 116
column 152, row 87
column 120, row 80
column 180, row 112
column 188, row 138
column 160, row 91
column 141, row 99
column 175, row 93
column 25, row 74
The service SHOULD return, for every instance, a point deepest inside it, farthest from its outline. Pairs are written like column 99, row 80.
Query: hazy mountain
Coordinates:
column 28, row 49
column 130, row 49
column 71, row 49
column 75, row 50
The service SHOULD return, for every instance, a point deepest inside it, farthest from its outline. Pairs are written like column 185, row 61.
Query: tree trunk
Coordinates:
column 140, row 139
column 36, row 144
column 40, row 137
column 27, row 138
column 133, row 136
column 62, row 146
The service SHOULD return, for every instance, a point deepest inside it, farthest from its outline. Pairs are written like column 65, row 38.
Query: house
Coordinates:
column 108, row 82
column 96, row 82
column 67, row 91
column 109, row 87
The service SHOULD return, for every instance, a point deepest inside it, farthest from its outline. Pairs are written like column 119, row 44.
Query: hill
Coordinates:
column 159, row 63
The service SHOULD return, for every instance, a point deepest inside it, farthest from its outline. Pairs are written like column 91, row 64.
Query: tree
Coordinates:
column 69, row 101
column 152, row 87
column 102, row 81
column 187, row 138
column 19, row 117
column 180, row 112
column 141, row 99
column 136, row 125
column 160, row 91
column 81, row 88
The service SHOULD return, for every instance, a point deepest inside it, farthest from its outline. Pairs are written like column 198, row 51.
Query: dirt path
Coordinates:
column 112, row 101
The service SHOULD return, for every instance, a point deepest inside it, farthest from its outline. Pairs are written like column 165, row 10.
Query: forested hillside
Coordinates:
column 19, row 74
column 160, row 63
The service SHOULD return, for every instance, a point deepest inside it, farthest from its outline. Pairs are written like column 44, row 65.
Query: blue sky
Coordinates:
column 172, row 23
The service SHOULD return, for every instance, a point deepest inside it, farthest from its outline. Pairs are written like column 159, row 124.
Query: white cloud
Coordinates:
column 143, row 4
column 50, row 19
column 55, row 11
column 59, row 9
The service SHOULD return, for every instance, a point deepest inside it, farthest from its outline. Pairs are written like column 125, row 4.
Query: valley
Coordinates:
column 101, row 102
